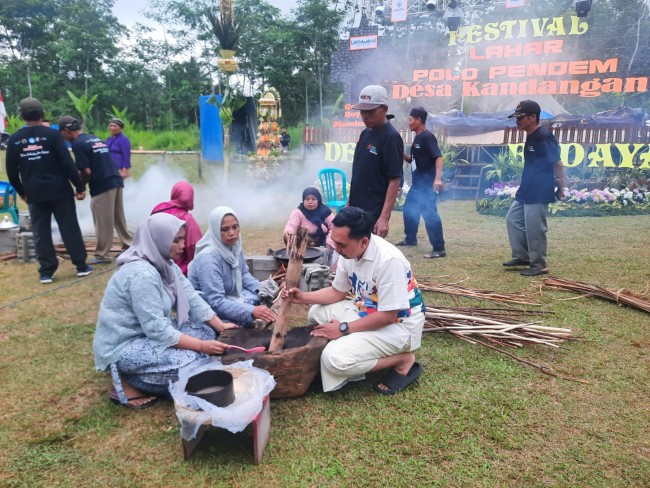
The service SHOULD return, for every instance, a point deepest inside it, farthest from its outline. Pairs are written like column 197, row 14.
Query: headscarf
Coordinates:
column 152, row 243
column 182, row 201
column 211, row 242
column 316, row 216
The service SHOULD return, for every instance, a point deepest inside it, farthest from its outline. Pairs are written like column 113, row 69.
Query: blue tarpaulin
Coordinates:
column 211, row 129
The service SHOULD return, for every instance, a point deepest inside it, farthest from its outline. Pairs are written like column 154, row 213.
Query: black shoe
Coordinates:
column 405, row 243
column 534, row 272
column 516, row 262
column 435, row 254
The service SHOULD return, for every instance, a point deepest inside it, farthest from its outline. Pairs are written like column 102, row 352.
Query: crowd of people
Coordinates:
column 175, row 290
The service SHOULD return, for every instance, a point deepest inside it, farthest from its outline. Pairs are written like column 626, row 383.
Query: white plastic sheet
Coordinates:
column 251, row 386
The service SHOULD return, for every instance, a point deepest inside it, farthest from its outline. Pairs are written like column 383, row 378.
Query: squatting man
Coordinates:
column 382, row 325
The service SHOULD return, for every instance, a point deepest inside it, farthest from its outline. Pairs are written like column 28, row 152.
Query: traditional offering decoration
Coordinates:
column 269, row 111
column 227, row 30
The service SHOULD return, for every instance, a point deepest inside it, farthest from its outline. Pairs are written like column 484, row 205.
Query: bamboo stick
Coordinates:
column 281, row 327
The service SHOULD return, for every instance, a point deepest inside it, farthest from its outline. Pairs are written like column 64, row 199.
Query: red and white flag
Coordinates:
column 3, row 114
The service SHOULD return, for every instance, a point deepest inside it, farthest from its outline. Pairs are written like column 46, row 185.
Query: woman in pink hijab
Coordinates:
column 179, row 206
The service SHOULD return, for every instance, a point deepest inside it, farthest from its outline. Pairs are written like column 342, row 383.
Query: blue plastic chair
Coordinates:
column 328, row 181
column 9, row 200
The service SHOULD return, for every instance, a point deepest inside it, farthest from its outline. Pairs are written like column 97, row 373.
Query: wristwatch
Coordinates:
column 343, row 327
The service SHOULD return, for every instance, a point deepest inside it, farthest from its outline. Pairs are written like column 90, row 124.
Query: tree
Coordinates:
column 318, row 23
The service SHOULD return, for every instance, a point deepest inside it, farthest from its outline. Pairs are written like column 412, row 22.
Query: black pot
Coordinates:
column 214, row 386
column 311, row 255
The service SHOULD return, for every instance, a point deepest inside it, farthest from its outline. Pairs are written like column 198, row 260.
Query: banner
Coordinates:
column 358, row 43
column 399, row 9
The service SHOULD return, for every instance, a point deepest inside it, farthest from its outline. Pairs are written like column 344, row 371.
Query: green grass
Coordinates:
column 475, row 418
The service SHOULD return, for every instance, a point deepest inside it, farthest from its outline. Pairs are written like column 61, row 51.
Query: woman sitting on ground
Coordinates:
column 313, row 215
column 137, row 337
column 182, row 201
column 220, row 272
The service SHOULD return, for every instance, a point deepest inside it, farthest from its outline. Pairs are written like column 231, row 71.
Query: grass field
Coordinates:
column 474, row 418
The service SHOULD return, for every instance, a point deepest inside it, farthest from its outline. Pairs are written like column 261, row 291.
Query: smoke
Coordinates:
column 257, row 203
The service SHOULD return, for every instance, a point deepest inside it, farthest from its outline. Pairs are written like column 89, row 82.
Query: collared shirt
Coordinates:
column 120, row 148
column 541, row 152
column 382, row 280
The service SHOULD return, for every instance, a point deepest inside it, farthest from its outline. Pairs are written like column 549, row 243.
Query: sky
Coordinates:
column 129, row 12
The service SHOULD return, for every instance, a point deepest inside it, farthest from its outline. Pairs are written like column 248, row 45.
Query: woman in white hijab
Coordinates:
column 137, row 336
column 220, row 272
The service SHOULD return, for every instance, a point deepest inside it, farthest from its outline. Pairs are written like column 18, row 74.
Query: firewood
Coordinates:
column 294, row 269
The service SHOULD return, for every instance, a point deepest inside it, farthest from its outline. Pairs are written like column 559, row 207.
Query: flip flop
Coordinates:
column 397, row 382
column 116, row 400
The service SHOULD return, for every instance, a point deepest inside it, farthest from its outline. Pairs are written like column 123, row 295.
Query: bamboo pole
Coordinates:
column 281, row 327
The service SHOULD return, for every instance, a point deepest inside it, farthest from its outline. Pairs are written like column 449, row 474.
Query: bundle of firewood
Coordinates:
column 622, row 296
column 503, row 327
column 454, row 289
column 500, row 328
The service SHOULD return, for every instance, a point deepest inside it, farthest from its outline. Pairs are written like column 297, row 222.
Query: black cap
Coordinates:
column 69, row 122
column 526, row 107
column 31, row 106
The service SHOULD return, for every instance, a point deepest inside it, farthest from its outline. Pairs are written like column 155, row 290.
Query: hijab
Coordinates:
column 182, row 201
column 211, row 242
column 316, row 216
column 152, row 243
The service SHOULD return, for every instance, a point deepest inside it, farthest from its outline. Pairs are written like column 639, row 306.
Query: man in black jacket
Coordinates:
column 40, row 168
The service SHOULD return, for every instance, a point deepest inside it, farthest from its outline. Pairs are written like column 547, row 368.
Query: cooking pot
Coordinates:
column 311, row 255
column 214, row 386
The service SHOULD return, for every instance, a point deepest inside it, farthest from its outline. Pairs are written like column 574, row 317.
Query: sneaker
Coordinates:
column 46, row 279
column 405, row 243
column 84, row 272
column 97, row 260
column 516, row 262
column 435, row 254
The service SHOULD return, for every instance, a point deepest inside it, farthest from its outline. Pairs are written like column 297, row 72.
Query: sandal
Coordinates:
column 116, row 399
column 397, row 382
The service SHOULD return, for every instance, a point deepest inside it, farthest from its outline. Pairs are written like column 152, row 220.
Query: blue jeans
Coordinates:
column 421, row 201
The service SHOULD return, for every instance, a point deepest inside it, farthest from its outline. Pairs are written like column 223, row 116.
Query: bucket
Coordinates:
column 214, row 386
column 24, row 221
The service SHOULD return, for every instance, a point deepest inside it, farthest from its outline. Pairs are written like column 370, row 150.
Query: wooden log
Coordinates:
column 298, row 246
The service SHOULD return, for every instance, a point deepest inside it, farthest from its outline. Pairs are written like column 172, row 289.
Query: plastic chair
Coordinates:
column 8, row 196
column 328, row 182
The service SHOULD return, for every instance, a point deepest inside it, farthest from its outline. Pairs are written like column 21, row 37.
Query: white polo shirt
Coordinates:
column 382, row 280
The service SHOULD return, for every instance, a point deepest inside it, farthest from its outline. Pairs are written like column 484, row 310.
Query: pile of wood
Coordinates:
column 500, row 329
column 622, row 296
column 503, row 327
column 454, row 289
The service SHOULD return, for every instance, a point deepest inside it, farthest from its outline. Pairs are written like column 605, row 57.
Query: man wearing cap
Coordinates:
column 119, row 147
column 96, row 167
column 426, row 171
column 543, row 171
column 377, row 163
column 39, row 166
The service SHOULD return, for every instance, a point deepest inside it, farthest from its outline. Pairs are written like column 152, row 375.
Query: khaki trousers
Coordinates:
column 108, row 213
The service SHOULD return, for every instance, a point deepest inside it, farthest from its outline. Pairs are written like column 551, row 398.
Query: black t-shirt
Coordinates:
column 541, row 152
column 285, row 139
column 91, row 152
column 377, row 159
column 39, row 165
column 424, row 152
